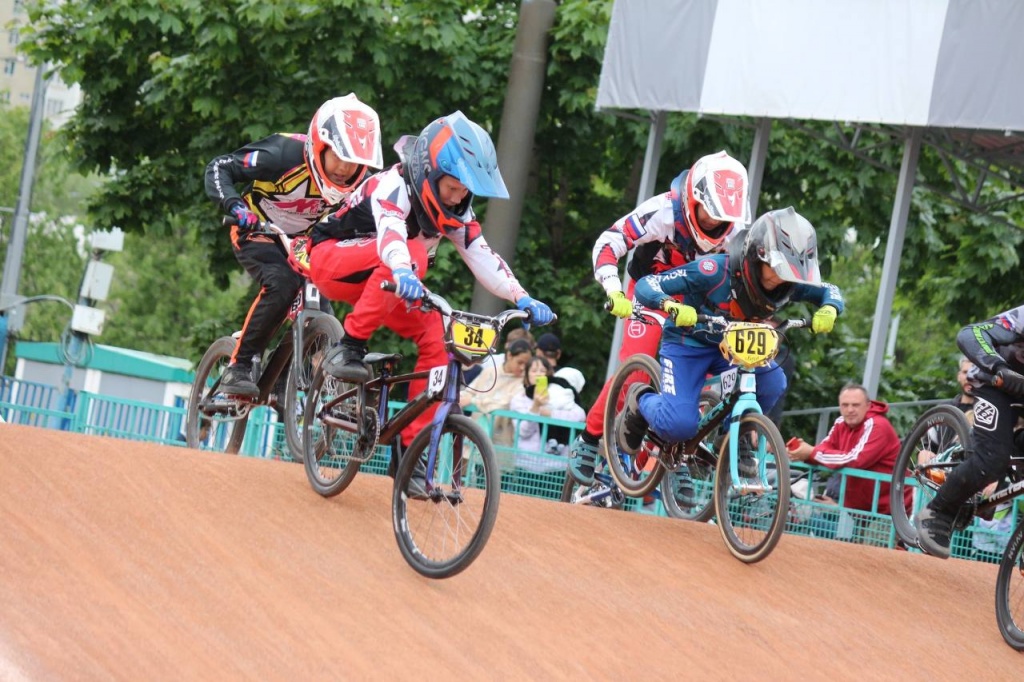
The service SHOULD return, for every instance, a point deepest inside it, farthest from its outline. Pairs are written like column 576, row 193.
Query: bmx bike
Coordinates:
column 312, row 332
column 605, row 493
column 447, row 481
column 751, row 510
column 939, row 441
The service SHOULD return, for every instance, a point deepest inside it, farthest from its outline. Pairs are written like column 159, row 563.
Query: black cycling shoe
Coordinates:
column 934, row 530
column 631, row 426
column 345, row 361
column 237, row 380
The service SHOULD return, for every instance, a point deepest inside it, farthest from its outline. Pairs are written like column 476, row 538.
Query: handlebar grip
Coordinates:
column 607, row 306
column 228, row 221
column 388, row 285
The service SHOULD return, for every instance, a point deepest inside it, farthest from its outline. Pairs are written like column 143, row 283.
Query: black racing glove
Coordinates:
column 1009, row 381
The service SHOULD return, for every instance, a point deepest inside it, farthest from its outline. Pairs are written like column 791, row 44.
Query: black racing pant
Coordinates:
column 265, row 260
column 993, row 445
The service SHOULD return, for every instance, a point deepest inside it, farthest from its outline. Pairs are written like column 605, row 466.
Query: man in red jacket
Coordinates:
column 862, row 438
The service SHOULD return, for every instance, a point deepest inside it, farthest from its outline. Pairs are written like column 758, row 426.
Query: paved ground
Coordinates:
column 121, row 560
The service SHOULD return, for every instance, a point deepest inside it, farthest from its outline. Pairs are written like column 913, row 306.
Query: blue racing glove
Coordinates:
column 540, row 312
column 247, row 220
column 409, row 286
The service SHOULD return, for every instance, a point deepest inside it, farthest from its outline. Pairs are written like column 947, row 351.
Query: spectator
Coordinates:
column 861, row 438
column 550, row 347
column 549, row 398
column 495, row 387
column 965, row 400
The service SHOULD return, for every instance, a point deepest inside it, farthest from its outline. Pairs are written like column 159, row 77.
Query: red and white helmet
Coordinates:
column 351, row 129
column 719, row 183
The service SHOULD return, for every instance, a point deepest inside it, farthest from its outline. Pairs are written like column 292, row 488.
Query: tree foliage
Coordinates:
column 168, row 86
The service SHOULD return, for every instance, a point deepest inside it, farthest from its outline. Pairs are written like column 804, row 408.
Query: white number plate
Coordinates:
column 436, row 380
column 729, row 381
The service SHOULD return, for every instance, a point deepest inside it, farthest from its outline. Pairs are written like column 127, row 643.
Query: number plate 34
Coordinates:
column 473, row 339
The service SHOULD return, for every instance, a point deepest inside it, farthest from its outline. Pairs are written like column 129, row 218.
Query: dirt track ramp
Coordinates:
column 123, row 560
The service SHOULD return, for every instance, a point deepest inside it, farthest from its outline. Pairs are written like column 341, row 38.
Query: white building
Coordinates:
column 17, row 78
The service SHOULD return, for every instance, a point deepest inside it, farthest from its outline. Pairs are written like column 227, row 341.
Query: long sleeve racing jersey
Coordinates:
column 278, row 184
column 381, row 206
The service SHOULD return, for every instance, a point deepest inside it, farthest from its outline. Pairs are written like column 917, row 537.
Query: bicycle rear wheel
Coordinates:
column 224, row 417
column 940, row 437
column 752, row 516
column 442, row 530
column 1010, row 591
column 321, row 333
column 328, row 449
column 701, row 469
column 636, row 475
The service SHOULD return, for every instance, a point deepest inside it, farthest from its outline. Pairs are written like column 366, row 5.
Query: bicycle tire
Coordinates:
column 752, row 523
column 1010, row 591
column 632, row 480
column 942, row 429
column 702, row 472
column 326, row 450
column 205, row 386
column 449, row 508
column 321, row 333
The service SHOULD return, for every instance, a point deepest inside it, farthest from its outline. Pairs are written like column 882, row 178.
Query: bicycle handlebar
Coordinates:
column 722, row 322
column 435, row 301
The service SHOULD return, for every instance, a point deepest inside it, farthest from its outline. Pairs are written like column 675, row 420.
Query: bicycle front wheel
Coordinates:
column 752, row 515
column 1010, row 591
column 636, row 475
column 321, row 333
column 328, row 447
column 444, row 515
column 214, row 421
column 939, row 438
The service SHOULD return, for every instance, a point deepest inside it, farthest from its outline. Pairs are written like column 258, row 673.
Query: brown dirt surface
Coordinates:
column 130, row 561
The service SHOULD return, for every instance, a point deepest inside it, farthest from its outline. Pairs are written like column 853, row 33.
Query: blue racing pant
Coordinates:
column 673, row 413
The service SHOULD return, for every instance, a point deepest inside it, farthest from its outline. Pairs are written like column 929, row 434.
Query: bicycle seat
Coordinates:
column 378, row 358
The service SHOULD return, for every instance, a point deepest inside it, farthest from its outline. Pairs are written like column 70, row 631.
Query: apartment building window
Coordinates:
column 9, row 67
column 13, row 36
column 19, row 7
column 5, row 96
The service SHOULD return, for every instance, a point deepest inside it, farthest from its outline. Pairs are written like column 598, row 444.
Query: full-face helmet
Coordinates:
column 452, row 145
column 350, row 129
column 718, row 183
column 787, row 242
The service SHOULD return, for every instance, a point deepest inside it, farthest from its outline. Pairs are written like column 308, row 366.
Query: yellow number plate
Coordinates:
column 750, row 344
column 473, row 338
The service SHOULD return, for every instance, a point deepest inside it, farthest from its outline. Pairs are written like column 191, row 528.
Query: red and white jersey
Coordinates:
column 381, row 206
column 652, row 222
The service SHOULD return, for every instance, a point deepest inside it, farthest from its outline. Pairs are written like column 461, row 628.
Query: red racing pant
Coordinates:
column 351, row 271
column 636, row 338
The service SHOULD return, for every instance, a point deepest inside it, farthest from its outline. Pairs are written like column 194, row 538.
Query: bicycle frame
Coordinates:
column 444, row 382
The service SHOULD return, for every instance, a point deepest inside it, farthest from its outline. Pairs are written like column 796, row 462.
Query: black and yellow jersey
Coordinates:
column 279, row 187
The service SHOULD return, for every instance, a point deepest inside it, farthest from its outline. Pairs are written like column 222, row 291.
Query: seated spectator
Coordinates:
column 547, row 396
column 550, row 347
column 495, row 386
column 861, row 438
